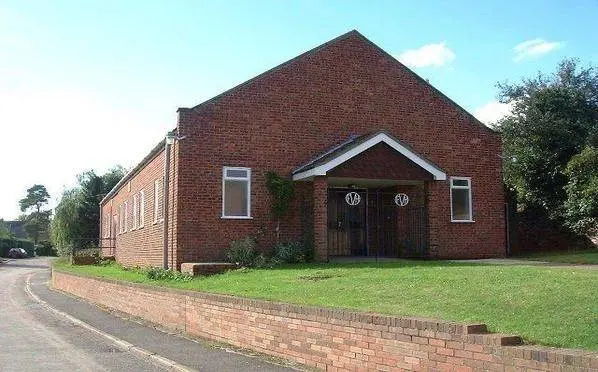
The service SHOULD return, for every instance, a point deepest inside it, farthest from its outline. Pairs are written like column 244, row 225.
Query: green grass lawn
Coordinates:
column 545, row 305
column 581, row 257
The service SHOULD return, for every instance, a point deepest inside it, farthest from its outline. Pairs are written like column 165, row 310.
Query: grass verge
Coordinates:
column 545, row 305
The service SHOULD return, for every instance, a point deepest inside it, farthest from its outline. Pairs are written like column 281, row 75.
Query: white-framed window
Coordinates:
column 113, row 228
column 236, row 192
column 461, row 205
column 157, row 192
column 126, row 219
column 141, row 213
column 106, row 226
column 135, row 211
column 121, row 219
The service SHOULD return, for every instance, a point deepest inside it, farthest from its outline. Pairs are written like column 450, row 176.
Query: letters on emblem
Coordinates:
column 352, row 198
column 401, row 199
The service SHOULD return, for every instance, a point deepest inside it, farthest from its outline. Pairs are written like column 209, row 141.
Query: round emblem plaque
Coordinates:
column 401, row 199
column 352, row 198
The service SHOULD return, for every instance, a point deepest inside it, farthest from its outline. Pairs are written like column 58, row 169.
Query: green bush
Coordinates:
column 45, row 248
column 156, row 273
column 89, row 256
column 289, row 253
column 244, row 253
column 92, row 251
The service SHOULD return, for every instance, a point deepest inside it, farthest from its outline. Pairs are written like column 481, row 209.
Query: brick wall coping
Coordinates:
column 473, row 333
column 418, row 323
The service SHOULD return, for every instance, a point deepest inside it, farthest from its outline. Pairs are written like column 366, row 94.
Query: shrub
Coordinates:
column 156, row 273
column 89, row 256
column 261, row 261
column 288, row 253
column 243, row 252
column 92, row 251
column 45, row 248
column 64, row 250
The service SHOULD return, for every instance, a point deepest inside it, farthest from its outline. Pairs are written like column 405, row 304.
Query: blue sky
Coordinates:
column 115, row 72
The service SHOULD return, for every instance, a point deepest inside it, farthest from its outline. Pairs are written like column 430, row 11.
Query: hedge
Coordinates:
column 7, row 244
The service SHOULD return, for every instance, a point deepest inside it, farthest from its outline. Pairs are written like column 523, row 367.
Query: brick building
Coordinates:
column 383, row 164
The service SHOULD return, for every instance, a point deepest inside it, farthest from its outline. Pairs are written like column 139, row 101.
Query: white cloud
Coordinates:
column 534, row 48
column 492, row 111
column 434, row 55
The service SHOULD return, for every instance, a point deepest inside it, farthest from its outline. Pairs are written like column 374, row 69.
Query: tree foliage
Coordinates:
column 4, row 230
column 37, row 221
column 77, row 215
column 553, row 119
column 582, row 192
column 37, row 197
column 37, row 225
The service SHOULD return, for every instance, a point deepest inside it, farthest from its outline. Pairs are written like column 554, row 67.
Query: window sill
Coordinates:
column 462, row 221
column 236, row 218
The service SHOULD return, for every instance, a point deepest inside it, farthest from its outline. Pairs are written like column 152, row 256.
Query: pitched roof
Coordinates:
column 149, row 157
column 323, row 46
column 354, row 146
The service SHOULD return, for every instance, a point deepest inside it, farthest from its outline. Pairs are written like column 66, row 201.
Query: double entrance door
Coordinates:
column 371, row 222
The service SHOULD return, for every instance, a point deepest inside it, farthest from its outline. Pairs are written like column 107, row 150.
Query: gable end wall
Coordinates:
column 284, row 118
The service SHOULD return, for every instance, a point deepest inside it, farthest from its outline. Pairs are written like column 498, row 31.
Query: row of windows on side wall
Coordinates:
column 120, row 221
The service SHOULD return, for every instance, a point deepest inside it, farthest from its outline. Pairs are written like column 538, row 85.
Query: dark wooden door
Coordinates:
column 347, row 232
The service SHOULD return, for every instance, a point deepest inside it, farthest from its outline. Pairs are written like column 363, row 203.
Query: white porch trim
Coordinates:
column 322, row 169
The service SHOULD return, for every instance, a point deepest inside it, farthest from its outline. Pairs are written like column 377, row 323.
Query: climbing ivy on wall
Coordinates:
column 281, row 190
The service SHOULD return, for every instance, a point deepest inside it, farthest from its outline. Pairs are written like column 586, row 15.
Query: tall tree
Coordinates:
column 554, row 118
column 65, row 227
column 37, row 225
column 77, row 215
column 37, row 197
column 37, row 221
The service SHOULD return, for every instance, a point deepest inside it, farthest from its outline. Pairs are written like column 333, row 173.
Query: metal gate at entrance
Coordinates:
column 375, row 223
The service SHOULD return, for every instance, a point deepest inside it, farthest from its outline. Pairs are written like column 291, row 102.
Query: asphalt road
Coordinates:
column 32, row 338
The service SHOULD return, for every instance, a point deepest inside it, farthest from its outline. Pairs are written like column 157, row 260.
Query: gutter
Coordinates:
column 169, row 141
column 149, row 157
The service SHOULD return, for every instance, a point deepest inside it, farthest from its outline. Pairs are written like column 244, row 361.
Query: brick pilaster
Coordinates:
column 320, row 185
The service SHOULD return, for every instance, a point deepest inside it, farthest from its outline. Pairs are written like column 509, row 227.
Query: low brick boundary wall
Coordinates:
column 330, row 339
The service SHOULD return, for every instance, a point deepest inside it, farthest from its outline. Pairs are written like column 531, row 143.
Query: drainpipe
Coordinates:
column 168, row 142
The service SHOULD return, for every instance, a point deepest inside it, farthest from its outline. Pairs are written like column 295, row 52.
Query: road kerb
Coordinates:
column 162, row 361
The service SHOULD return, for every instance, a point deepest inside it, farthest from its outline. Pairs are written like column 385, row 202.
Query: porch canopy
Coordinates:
column 372, row 156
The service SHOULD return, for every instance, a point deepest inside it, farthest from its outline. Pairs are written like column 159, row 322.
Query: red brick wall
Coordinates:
column 142, row 246
column 283, row 119
column 330, row 339
column 381, row 162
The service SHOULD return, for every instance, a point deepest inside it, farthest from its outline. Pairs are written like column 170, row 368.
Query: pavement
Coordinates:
column 51, row 331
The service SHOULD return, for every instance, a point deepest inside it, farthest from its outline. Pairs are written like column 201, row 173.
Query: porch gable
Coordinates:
column 340, row 154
